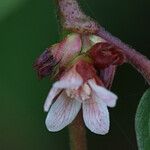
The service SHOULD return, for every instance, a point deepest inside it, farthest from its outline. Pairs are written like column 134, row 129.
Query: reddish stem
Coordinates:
column 77, row 134
column 136, row 59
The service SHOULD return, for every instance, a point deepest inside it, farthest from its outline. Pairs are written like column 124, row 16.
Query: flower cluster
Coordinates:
column 83, row 67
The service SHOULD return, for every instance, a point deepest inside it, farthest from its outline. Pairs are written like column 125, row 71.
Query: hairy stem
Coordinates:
column 136, row 59
column 73, row 18
column 77, row 134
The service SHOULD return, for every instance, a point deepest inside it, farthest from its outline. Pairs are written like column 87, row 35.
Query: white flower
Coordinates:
column 71, row 93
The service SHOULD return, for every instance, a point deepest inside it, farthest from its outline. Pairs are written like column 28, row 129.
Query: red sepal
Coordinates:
column 105, row 54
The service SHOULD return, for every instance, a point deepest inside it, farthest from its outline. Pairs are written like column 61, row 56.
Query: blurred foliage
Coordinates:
column 9, row 6
column 142, row 122
column 27, row 27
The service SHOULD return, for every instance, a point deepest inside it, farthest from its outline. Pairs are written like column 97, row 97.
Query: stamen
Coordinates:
column 85, row 92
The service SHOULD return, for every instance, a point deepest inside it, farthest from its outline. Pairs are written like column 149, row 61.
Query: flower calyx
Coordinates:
column 105, row 54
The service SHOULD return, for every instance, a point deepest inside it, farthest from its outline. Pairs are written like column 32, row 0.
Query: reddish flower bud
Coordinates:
column 45, row 64
column 60, row 53
column 105, row 54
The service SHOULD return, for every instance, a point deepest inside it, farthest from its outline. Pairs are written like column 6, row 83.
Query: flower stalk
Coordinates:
column 77, row 134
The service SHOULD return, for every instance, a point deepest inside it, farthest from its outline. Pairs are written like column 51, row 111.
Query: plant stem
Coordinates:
column 136, row 59
column 77, row 134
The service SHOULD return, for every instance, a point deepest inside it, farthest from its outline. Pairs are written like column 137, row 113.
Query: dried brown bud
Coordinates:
column 45, row 64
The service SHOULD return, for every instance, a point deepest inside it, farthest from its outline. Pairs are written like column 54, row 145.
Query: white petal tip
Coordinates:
column 100, row 132
column 51, row 95
column 56, row 85
column 104, row 94
column 113, row 100
column 50, row 126
column 47, row 104
column 45, row 108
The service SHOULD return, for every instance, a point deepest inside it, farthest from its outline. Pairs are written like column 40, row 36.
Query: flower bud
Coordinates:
column 105, row 54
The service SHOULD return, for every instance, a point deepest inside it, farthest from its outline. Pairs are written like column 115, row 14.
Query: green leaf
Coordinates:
column 142, row 122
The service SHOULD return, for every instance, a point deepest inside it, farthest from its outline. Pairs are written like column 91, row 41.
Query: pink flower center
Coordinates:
column 80, row 94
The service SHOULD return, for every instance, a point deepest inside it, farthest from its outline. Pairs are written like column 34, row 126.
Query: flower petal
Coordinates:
column 107, row 75
column 71, row 79
column 67, row 48
column 72, row 45
column 52, row 94
column 107, row 96
column 96, row 116
column 62, row 113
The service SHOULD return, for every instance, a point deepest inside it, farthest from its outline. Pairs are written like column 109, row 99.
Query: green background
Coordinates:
column 27, row 27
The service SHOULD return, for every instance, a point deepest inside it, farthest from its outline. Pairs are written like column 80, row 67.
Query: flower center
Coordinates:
column 80, row 94
column 85, row 92
column 72, row 93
